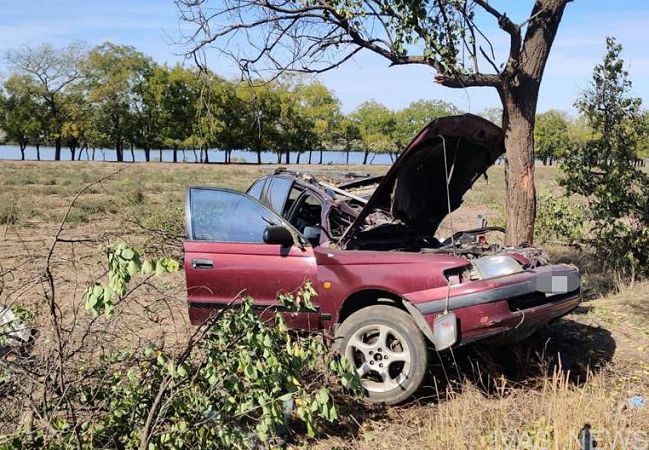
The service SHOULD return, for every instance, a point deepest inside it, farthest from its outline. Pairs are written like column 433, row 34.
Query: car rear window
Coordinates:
column 256, row 188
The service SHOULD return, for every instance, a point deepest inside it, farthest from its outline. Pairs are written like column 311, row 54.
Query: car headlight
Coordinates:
column 495, row 266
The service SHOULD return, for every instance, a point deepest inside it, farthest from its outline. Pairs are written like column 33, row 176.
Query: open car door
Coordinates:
column 226, row 257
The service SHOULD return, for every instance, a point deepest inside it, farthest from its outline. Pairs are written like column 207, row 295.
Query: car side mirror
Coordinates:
column 278, row 235
column 312, row 234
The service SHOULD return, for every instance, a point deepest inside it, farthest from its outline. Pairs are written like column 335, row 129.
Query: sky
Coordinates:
column 152, row 26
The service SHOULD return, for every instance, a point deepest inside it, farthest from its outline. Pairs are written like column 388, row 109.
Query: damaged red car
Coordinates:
column 388, row 288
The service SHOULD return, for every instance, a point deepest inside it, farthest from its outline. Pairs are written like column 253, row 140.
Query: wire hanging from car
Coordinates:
column 447, row 177
column 448, row 194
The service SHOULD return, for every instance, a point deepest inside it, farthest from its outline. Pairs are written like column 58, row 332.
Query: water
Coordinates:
column 12, row 152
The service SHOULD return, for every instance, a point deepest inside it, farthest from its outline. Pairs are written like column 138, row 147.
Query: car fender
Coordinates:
column 419, row 319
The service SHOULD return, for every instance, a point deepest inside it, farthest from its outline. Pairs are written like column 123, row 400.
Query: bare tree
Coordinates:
column 314, row 36
column 48, row 73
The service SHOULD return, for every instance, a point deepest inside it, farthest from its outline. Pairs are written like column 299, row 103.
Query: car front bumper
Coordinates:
column 507, row 308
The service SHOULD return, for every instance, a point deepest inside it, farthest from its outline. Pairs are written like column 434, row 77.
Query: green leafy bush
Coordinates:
column 603, row 170
column 240, row 382
column 123, row 263
column 559, row 218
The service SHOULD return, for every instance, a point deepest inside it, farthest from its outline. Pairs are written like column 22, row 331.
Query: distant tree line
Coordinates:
column 557, row 135
column 113, row 96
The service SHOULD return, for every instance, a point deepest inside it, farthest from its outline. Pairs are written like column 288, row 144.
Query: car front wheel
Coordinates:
column 387, row 350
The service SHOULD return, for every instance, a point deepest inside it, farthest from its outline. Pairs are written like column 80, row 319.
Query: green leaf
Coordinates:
column 127, row 254
column 148, row 267
column 98, row 290
column 133, row 267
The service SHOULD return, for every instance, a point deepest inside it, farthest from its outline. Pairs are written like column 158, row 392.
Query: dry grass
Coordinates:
column 580, row 370
column 549, row 416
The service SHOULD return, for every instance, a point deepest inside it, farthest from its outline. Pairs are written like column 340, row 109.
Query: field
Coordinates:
column 583, row 369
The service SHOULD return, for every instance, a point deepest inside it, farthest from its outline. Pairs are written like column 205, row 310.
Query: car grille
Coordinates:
column 526, row 301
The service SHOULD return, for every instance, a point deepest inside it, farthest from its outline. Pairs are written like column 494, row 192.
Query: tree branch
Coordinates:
column 514, row 30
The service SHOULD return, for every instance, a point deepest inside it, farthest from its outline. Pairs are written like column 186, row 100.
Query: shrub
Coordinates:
column 83, row 210
column 603, row 170
column 559, row 218
column 239, row 382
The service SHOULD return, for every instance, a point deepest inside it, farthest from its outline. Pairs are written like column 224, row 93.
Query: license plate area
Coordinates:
column 558, row 282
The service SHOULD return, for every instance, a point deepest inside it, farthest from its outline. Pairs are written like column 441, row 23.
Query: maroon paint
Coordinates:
column 262, row 270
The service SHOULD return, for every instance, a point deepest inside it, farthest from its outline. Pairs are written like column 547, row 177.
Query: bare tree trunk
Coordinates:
column 518, row 124
column 57, row 149
column 367, row 153
column 320, row 156
column 297, row 161
column 310, row 153
column 258, row 156
column 347, row 157
column 519, row 95
column 147, row 154
column 119, row 151
column 22, row 151
column 207, row 155
column 38, row 152
column 132, row 153
column 288, row 157
column 175, row 155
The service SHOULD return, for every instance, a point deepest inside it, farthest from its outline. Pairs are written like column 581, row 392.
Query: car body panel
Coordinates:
column 257, row 270
column 349, row 272
column 423, row 201
column 516, row 304
column 217, row 273
column 430, row 280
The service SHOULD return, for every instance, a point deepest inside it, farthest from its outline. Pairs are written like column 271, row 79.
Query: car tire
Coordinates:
column 388, row 351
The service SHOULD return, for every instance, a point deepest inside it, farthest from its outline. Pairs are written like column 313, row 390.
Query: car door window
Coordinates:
column 257, row 188
column 226, row 216
column 278, row 192
column 307, row 214
column 293, row 195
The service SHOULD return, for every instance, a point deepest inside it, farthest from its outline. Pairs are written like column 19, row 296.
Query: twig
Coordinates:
column 47, row 283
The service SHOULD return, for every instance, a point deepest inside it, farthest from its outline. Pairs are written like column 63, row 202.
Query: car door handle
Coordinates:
column 200, row 263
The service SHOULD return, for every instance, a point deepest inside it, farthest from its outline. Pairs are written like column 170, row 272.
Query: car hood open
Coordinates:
column 414, row 192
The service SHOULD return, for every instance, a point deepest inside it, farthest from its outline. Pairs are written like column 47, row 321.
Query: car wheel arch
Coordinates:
column 368, row 297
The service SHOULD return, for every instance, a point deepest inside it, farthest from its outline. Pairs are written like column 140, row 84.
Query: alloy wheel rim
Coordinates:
column 381, row 357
